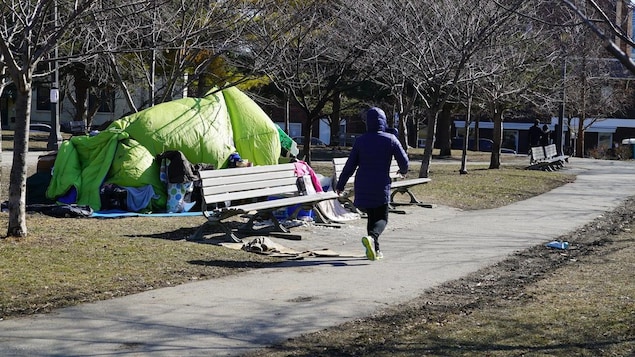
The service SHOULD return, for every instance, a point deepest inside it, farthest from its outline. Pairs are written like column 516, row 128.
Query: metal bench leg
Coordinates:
column 229, row 234
column 413, row 199
column 322, row 220
column 198, row 235
column 277, row 229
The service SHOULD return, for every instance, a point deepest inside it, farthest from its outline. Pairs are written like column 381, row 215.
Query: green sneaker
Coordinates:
column 379, row 255
column 369, row 244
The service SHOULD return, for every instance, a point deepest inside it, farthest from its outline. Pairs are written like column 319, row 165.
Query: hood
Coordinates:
column 375, row 120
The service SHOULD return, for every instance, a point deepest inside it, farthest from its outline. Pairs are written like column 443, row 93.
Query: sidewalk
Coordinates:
column 230, row 316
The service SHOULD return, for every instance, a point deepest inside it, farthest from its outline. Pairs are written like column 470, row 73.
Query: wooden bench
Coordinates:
column 399, row 185
column 546, row 158
column 255, row 192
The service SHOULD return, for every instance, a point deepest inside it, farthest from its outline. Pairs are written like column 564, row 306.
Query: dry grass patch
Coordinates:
column 67, row 261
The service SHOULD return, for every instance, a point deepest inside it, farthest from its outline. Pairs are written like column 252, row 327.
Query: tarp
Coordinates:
column 206, row 130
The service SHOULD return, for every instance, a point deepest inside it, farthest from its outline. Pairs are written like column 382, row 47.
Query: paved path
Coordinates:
column 230, row 316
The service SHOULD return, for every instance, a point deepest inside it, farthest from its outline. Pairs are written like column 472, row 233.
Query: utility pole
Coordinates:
column 55, row 137
column 559, row 130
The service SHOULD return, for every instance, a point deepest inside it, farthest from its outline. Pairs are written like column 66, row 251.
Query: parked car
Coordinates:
column 314, row 141
column 73, row 127
column 483, row 144
column 40, row 127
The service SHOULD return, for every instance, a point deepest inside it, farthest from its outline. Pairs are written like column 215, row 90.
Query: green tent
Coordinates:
column 206, row 130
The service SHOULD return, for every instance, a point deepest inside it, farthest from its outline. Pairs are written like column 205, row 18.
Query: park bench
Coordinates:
column 399, row 185
column 254, row 192
column 546, row 158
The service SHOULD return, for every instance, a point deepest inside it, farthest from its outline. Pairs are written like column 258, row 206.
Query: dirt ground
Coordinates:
column 500, row 284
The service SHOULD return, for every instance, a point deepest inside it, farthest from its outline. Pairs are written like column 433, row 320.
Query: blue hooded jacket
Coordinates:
column 371, row 155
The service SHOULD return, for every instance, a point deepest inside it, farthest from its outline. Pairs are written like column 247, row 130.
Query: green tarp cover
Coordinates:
column 256, row 140
column 206, row 130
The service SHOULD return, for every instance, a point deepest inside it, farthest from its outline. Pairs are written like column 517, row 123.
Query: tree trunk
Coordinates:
column 466, row 136
column 427, row 152
column 413, row 130
column 497, row 138
column 122, row 83
column 306, row 133
column 579, row 143
column 444, row 132
column 82, row 85
column 17, row 184
column 403, row 131
column 335, row 119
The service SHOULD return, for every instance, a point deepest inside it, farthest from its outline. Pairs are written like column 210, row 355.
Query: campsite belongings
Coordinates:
column 181, row 178
column 266, row 246
column 205, row 130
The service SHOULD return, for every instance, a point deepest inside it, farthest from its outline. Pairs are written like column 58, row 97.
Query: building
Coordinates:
column 597, row 133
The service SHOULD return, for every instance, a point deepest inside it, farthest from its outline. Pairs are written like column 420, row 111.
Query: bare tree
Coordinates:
column 313, row 51
column 520, row 62
column 595, row 87
column 437, row 40
column 28, row 34
column 605, row 28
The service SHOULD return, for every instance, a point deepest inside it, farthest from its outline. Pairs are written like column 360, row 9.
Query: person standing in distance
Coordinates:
column 371, row 155
column 534, row 135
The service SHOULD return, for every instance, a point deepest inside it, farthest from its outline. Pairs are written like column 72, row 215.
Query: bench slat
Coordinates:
column 255, row 193
column 285, row 202
column 251, row 170
column 226, row 186
column 398, row 184
column 256, row 177
column 409, row 182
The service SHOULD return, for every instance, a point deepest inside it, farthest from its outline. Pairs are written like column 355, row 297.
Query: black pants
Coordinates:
column 377, row 221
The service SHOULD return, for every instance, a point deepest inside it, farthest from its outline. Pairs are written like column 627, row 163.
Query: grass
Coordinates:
column 68, row 261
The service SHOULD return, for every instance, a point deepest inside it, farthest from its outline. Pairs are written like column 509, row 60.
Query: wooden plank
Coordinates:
column 256, row 193
column 251, row 170
column 256, row 177
column 246, row 186
column 409, row 182
column 285, row 202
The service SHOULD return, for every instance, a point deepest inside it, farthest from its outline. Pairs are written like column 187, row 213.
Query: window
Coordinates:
column 605, row 140
column 295, row 129
column 510, row 139
column 43, row 98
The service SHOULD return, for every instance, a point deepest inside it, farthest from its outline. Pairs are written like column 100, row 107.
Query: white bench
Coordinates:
column 255, row 192
column 399, row 184
column 546, row 158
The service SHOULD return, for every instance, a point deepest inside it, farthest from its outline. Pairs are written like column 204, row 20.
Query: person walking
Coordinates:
column 371, row 156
